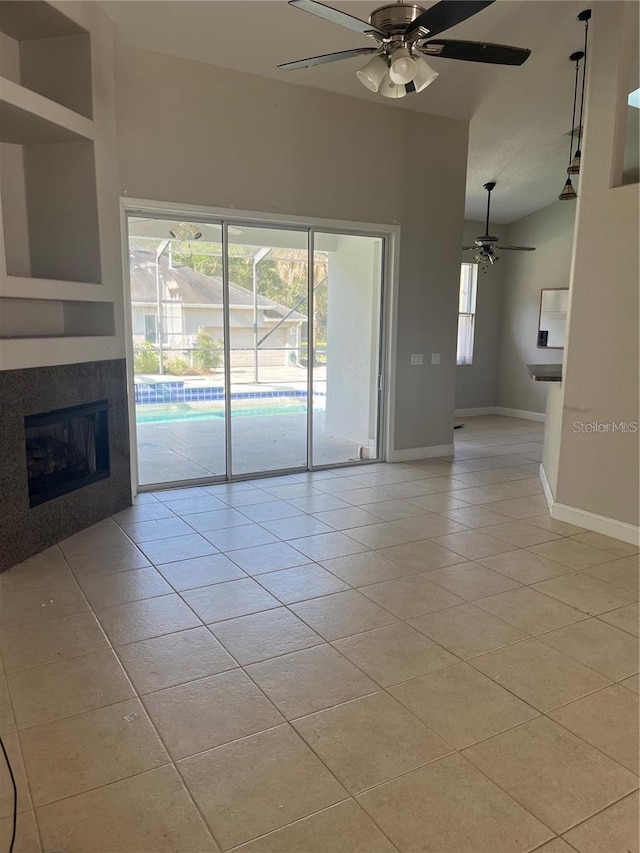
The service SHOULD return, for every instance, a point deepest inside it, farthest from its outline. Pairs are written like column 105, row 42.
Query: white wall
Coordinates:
column 598, row 471
column 477, row 383
column 197, row 134
column 550, row 230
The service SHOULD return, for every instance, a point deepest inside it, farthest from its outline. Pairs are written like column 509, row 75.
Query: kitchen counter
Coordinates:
column 545, row 372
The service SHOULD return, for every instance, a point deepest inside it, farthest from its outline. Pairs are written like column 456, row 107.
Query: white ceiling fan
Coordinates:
column 404, row 35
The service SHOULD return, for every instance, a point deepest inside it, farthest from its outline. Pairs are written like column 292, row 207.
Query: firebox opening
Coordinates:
column 66, row 450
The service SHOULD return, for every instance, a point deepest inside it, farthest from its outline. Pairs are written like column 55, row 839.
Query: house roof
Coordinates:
column 193, row 288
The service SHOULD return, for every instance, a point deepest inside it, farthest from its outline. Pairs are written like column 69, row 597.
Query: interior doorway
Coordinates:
column 256, row 348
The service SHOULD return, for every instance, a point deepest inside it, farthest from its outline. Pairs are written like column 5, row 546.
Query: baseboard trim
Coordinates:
column 413, row 453
column 522, row 414
column 621, row 530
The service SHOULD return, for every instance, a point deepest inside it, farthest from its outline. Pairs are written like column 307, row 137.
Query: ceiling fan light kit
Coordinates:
column 485, row 247
column 568, row 193
column 404, row 34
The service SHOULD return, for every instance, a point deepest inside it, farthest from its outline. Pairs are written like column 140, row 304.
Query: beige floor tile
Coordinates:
column 46, row 569
column 370, row 740
column 103, row 560
column 428, row 525
column 562, row 527
column 12, row 745
column 177, row 548
column 473, row 544
column 520, row 534
column 54, row 690
column 571, row 553
column 55, row 639
column 245, row 536
column 35, row 606
column 411, row 596
column 310, row 680
column 327, row 545
column 474, row 516
column 267, row 558
column 269, row 511
column 520, row 507
column 363, row 569
column 539, row 674
column 297, row 527
column 344, row 828
column 159, row 528
column 555, row 775
column 599, row 646
column 515, row 490
column 471, row 581
column 342, row 614
column 143, row 512
column 440, row 500
column 383, row 534
column 87, row 751
column 392, row 510
column 228, row 600
column 428, row 810
column 319, row 503
column 626, row 618
column 555, row 846
column 148, row 813
column 261, row 636
column 586, row 593
column 468, row 631
column 174, row 659
column 632, row 683
column 606, row 543
column 607, row 720
column 394, row 653
column 27, row 839
column 350, row 516
column 141, row 620
column 422, row 556
column 623, row 573
column 7, row 722
column 524, row 567
column 123, row 587
column 301, row 583
column 201, row 571
column 268, row 780
column 202, row 714
column 462, row 705
column 614, row 830
column 530, row 610
column 214, row 519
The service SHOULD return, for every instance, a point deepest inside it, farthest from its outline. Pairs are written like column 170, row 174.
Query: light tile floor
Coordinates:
column 408, row 657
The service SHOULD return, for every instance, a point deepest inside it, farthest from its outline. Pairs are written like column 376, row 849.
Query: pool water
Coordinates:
column 181, row 412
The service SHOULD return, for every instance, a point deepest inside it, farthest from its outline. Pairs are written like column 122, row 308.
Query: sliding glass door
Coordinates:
column 256, row 348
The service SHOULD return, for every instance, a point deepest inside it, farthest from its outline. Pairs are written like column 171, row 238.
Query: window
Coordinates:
column 466, row 313
column 151, row 329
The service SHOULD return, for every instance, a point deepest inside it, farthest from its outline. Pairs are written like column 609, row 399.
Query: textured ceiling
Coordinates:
column 518, row 116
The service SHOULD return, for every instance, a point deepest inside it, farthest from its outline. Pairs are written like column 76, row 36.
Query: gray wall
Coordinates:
column 197, row 134
column 550, row 230
column 477, row 383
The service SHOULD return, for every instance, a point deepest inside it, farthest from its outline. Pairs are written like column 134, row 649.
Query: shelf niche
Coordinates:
column 48, row 318
column 43, row 50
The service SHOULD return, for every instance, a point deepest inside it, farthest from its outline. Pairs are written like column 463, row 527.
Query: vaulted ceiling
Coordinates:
column 519, row 117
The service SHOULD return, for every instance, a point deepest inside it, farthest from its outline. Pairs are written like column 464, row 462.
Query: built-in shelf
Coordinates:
column 17, row 353
column 23, row 287
column 27, row 118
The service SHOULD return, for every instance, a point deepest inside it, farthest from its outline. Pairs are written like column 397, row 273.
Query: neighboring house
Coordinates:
column 189, row 301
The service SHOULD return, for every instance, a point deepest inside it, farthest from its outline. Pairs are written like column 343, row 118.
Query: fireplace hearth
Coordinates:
column 65, row 450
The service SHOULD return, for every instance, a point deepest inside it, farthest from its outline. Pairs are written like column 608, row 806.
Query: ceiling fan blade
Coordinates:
column 327, row 57
column 476, row 51
column 447, row 14
column 517, row 248
column 337, row 17
column 468, row 248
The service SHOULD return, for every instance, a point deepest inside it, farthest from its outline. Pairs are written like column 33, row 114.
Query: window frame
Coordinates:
column 471, row 270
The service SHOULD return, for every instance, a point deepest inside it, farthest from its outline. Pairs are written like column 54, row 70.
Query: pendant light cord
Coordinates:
column 573, row 115
column 584, row 72
column 15, row 796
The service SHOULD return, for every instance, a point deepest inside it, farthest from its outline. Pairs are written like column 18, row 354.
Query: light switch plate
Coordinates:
column 417, row 358
column 435, row 358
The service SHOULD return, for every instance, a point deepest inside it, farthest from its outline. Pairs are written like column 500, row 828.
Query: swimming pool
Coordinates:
column 243, row 408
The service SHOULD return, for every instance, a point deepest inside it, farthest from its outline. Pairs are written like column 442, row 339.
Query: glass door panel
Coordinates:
column 268, row 331
column 347, row 301
column 177, row 321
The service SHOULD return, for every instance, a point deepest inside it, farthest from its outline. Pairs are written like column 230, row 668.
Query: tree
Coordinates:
column 207, row 354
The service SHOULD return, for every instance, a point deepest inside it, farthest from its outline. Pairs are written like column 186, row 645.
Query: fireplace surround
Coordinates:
column 33, row 398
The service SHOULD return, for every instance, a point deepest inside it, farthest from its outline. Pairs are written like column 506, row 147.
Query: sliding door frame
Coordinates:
column 390, row 235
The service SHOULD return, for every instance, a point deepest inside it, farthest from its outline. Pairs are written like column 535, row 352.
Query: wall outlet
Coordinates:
column 435, row 358
column 417, row 358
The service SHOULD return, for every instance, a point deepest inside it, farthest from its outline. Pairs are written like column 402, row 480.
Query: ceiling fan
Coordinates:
column 485, row 247
column 404, row 33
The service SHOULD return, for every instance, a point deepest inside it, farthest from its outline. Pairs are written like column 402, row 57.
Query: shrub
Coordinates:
column 177, row 367
column 145, row 358
column 207, row 354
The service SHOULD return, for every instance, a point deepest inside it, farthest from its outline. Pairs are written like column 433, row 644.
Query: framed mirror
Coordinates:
column 552, row 319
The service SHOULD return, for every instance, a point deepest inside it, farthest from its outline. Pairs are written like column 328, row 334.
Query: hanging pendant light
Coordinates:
column 568, row 193
column 574, row 166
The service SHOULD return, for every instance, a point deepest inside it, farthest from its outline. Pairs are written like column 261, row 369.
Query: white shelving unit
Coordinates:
column 60, row 267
